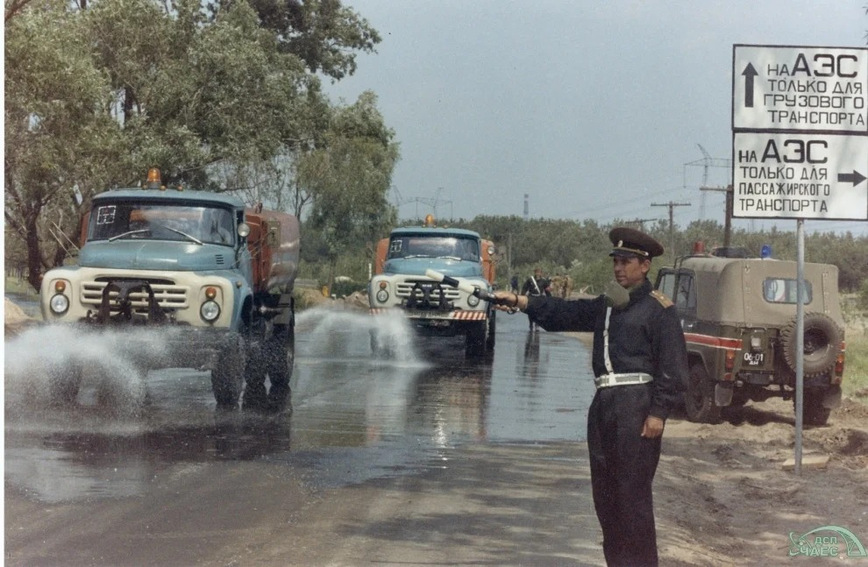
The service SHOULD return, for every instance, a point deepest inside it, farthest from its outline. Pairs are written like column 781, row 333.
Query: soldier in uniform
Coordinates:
column 640, row 364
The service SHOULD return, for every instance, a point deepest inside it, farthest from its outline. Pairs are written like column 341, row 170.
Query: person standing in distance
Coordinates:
column 535, row 285
column 640, row 367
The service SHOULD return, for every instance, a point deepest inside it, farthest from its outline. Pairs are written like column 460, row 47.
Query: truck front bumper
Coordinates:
column 436, row 322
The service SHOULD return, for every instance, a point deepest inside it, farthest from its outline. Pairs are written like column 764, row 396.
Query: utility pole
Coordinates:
column 727, row 223
column 671, row 206
column 706, row 162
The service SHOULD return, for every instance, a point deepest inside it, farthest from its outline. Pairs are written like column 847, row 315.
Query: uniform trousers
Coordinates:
column 623, row 464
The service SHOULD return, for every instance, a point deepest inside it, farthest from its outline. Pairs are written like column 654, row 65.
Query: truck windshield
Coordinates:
column 422, row 246
column 155, row 221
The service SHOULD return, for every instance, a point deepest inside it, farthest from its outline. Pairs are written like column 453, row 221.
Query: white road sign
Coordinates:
column 800, row 88
column 796, row 175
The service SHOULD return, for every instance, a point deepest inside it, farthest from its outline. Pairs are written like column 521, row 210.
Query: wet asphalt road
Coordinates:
column 488, row 453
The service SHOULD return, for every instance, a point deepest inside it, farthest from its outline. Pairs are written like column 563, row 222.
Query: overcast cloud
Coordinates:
column 591, row 108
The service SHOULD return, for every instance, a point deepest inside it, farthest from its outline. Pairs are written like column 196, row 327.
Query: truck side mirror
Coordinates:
column 243, row 230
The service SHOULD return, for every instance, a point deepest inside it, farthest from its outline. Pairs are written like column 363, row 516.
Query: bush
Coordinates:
column 863, row 295
column 342, row 289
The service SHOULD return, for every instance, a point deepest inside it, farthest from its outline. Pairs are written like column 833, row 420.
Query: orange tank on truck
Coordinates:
column 218, row 273
column 435, row 309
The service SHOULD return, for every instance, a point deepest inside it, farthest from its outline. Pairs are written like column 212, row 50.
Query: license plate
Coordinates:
column 754, row 358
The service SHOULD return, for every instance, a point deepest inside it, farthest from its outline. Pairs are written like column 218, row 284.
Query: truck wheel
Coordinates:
column 382, row 344
column 280, row 357
column 227, row 377
column 476, row 339
column 813, row 410
column 699, row 397
column 492, row 327
column 822, row 341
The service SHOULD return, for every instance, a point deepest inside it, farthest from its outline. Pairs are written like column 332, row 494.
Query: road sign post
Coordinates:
column 800, row 147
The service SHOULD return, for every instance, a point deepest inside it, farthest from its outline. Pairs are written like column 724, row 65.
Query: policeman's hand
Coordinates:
column 508, row 301
column 652, row 428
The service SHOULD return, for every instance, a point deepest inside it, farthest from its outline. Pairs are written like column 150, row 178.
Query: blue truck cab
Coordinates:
column 434, row 308
column 219, row 274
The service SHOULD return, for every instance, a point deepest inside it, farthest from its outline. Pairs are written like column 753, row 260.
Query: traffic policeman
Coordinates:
column 640, row 367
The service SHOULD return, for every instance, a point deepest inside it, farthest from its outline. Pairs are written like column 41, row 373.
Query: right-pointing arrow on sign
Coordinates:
column 749, row 74
column 855, row 178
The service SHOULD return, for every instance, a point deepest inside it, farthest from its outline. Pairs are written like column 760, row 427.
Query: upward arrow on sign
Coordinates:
column 749, row 73
column 855, row 178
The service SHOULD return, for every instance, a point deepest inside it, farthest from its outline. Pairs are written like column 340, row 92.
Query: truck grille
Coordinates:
column 168, row 295
column 404, row 289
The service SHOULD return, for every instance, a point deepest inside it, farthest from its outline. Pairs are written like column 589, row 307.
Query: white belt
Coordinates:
column 626, row 379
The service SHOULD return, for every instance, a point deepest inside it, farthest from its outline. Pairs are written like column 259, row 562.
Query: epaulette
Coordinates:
column 661, row 298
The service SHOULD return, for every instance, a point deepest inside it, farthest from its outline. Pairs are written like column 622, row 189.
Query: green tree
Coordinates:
column 57, row 132
column 98, row 92
column 349, row 178
column 323, row 33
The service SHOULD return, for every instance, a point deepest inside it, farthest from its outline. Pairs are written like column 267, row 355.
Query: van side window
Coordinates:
column 782, row 290
column 685, row 296
column 667, row 284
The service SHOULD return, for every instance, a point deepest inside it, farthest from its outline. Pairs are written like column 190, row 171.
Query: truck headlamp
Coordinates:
column 59, row 304
column 472, row 300
column 382, row 295
column 209, row 311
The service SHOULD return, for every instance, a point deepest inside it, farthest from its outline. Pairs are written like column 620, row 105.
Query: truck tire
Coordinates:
column 822, row 341
column 699, row 397
column 492, row 328
column 280, row 358
column 274, row 360
column 814, row 412
column 477, row 339
column 227, row 378
column 382, row 344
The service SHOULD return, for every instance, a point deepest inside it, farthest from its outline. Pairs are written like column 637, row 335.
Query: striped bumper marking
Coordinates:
column 456, row 315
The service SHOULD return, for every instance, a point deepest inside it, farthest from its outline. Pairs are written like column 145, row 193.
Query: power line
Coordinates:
column 671, row 206
column 706, row 162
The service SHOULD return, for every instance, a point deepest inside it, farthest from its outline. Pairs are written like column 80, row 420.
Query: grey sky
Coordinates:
column 591, row 108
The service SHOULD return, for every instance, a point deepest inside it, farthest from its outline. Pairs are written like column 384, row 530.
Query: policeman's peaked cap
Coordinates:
column 631, row 242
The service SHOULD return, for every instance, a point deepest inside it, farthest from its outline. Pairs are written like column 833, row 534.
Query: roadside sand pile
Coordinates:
column 16, row 320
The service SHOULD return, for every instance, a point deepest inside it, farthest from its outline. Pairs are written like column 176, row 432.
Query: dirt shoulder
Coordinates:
column 723, row 496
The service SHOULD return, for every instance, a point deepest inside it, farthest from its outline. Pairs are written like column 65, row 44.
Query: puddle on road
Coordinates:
column 125, row 424
column 358, row 410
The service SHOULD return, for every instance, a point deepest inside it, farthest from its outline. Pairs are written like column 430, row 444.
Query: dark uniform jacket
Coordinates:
column 536, row 286
column 644, row 336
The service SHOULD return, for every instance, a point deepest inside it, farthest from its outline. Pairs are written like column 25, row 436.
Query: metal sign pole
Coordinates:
column 800, row 342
